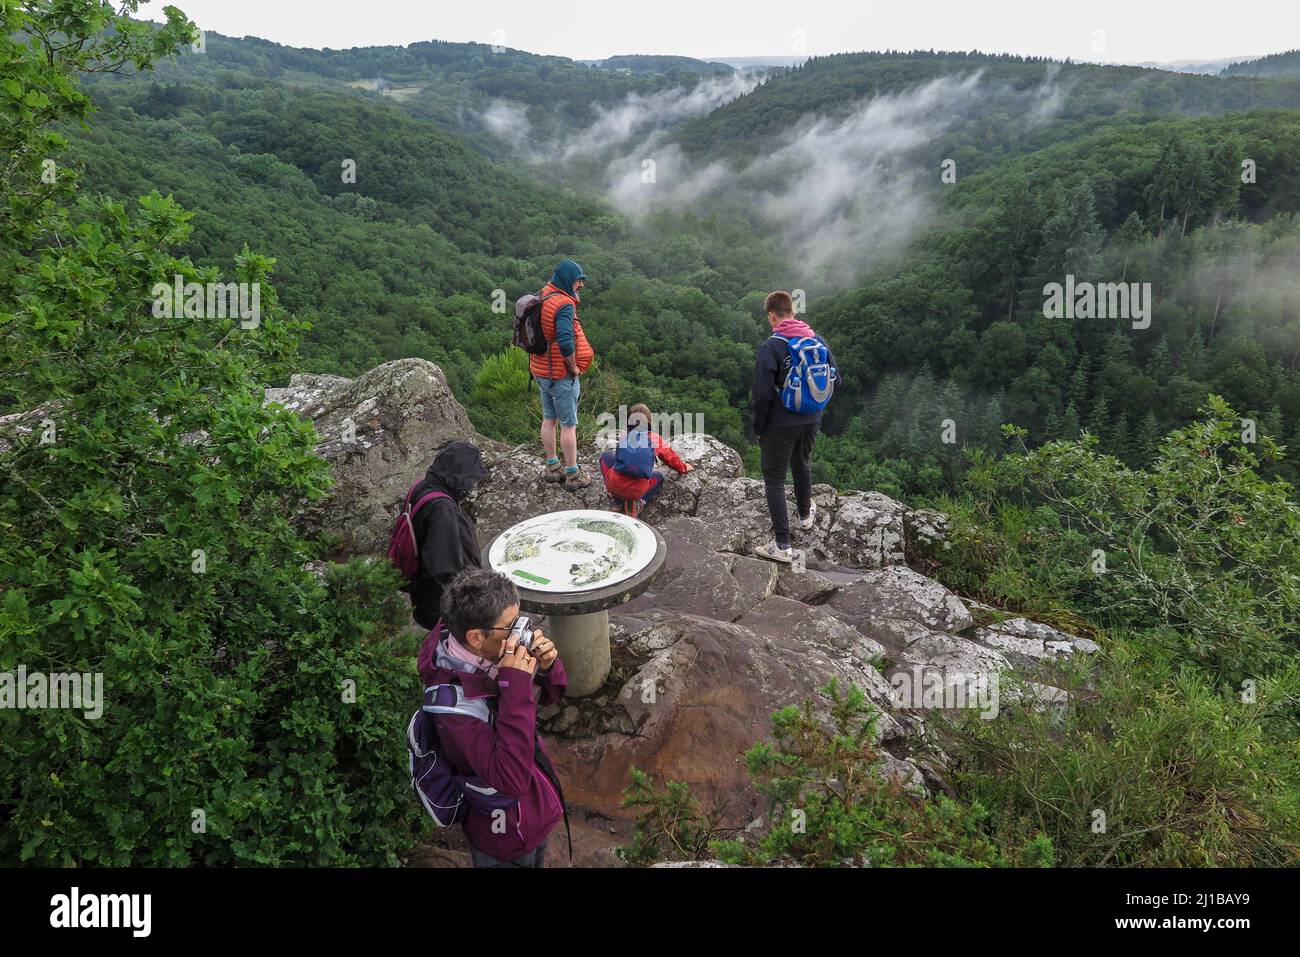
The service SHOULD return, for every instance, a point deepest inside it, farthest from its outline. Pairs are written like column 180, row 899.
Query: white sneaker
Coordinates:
column 807, row 523
column 776, row 553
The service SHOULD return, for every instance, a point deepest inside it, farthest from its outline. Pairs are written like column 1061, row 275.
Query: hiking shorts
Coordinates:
column 560, row 399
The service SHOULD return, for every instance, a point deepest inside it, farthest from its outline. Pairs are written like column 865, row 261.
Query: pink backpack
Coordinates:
column 403, row 549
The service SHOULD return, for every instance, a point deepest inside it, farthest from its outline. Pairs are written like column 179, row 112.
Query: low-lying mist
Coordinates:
column 840, row 195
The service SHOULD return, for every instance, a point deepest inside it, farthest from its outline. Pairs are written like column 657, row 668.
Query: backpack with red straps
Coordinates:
column 403, row 549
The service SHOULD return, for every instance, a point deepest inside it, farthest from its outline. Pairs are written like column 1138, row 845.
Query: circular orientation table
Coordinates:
column 573, row 566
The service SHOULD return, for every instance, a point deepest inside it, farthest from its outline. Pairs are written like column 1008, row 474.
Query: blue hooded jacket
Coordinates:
column 566, row 274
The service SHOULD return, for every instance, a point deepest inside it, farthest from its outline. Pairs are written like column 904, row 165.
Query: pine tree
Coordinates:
column 1160, row 364
column 1117, row 443
column 1071, row 238
column 1070, row 423
column 1147, row 439
column 1192, row 361
column 1099, row 420
column 1129, row 235
column 1272, row 423
column 990, row 424
column 1011, row 228
column 1051, row 427
column 1078, row 392
column 886, row 408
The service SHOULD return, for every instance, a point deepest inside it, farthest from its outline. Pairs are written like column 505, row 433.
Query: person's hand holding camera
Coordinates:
column 516, row 655
column 543, row 650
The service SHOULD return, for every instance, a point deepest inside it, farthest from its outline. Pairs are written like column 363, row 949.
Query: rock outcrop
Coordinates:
column 378, row 433
column 722, row 639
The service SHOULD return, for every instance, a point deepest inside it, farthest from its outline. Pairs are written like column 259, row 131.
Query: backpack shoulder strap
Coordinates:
column 425, row 498
column 450, row 699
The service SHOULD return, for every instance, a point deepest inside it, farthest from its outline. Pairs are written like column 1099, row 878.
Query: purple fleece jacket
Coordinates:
column 501, row 753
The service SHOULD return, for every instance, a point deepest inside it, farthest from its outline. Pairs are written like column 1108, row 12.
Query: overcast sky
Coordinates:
column 1108, row 30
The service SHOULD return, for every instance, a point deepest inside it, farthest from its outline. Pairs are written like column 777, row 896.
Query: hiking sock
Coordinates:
column 570, row 469
column 552, row 461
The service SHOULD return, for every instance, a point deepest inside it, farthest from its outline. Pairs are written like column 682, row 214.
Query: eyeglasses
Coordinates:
column 509, row 627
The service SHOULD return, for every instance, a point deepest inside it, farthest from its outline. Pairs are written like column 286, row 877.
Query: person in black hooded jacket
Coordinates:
column 444, row 533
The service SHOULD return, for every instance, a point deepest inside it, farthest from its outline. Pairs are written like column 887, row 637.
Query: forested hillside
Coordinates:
column 1107, row 173
column 673, row 67
column 958, row 332
column 830, row 85
column 1278, row 64
column 453, row 84
column 405, row 261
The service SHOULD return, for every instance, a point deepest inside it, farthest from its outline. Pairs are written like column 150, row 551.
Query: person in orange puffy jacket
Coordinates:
column 557, row 373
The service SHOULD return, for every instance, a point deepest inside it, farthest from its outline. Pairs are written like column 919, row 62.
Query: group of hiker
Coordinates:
column 476, row 757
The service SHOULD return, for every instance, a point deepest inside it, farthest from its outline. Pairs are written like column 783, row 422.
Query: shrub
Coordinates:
column 1180, row 744
column 670, row 825
column 1151, row 767
column 829, row 805
column 252, row 708
column 1198, row 546
column 505, row 403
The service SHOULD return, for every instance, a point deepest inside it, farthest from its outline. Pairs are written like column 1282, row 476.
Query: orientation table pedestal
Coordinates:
column 583, row 644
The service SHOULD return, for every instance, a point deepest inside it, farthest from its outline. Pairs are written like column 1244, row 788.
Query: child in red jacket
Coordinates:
column 630, row 476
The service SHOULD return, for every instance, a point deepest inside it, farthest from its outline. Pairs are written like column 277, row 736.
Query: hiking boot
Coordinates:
column 576, row 480
column 774, row 552
column 553, row 473
column 807, row 523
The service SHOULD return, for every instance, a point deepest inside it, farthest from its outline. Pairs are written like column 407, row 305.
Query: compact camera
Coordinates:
column 521, row 631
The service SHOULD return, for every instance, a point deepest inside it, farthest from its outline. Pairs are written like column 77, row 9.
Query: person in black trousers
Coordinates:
column 785, row 437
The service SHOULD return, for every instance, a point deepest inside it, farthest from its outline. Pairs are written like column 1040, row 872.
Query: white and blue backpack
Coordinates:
column 809, row 376
column 445, row 793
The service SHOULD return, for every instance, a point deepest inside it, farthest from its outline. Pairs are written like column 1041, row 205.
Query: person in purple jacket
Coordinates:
column 474, row 648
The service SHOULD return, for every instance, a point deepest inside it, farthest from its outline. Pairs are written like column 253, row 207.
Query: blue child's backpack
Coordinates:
column 635, row 455
column 809, row 378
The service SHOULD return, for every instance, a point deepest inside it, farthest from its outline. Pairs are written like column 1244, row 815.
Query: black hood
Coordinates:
column 456, row 469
